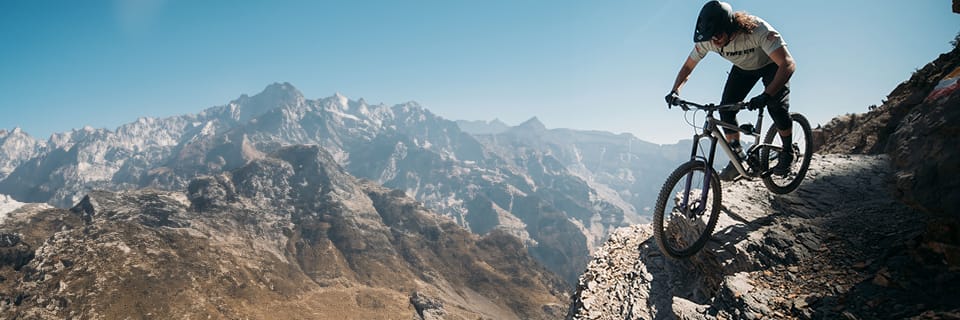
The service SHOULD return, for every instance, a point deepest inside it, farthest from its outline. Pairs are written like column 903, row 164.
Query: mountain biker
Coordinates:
column 757, row 51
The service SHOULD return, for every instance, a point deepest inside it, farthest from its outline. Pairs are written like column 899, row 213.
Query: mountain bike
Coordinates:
column 689, row 202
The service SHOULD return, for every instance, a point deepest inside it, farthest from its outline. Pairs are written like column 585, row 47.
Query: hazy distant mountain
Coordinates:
column 483, row 127
column 623, row 170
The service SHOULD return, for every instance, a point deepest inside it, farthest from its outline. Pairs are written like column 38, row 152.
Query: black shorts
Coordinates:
column 740, row 82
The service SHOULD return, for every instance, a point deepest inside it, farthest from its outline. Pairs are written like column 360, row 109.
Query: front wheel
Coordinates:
column 802, row 151
column 687, row 209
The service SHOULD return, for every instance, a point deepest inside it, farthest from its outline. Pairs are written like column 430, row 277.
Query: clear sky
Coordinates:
column 602, row 65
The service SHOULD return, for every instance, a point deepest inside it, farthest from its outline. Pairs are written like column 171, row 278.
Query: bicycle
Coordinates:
column 694, row 187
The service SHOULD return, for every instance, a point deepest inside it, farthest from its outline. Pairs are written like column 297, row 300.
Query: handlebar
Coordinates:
column 685, row 105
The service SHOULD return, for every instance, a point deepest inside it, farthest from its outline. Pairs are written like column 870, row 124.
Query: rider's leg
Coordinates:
column 779, row 108
column 785, row 157
column 739, row 83
column 734, row 140
column 781, row 118
column 786, row 136
column 732, row 136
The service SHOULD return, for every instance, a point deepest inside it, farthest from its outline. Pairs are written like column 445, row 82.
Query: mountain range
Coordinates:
column 560, row 191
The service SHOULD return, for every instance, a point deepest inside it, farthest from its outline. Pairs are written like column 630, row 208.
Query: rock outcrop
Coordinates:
column 286, row 236
column 925, row 150
column 871, row 132
column 917, row 125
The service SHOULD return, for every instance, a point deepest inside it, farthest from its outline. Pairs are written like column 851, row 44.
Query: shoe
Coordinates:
column 729, row 172
column 784, row 161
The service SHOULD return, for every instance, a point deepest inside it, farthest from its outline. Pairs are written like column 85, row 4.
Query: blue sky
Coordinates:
column 602, row 65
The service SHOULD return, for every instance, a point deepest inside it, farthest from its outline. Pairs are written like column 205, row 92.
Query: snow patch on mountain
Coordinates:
column 7, row 205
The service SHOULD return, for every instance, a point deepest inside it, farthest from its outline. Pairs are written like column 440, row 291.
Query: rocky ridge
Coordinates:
column 289, row 235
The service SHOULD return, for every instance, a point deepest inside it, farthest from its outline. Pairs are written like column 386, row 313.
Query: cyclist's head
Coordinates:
column 715, row 18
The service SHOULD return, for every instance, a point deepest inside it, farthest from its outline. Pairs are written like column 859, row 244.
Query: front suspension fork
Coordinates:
column 708, row 175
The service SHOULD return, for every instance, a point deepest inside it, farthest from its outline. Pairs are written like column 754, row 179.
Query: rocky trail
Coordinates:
column 840, row 247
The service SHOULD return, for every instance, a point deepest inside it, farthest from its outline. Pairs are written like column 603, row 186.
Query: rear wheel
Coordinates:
column 687, row 210
column 802, row 151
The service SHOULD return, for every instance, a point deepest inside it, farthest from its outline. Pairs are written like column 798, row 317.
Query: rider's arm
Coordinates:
column 684, row 73
column 785, row 69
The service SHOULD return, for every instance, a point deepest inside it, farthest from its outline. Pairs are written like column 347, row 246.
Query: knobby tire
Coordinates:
column 673, row 228
column 784, row 185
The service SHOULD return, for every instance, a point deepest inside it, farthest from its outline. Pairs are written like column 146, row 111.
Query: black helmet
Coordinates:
column 715, row 17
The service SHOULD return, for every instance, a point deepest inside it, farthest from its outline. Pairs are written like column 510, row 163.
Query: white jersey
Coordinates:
column 749, row 51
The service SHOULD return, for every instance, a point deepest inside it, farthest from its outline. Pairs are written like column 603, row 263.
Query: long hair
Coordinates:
column 744, row 22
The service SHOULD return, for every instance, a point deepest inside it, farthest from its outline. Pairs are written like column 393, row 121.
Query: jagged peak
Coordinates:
column 411, row 108
column 532, row 124
column 497, row 121
column 494, row 126
column 494, row 122
column 275, row 95
column 284, row 94
column 339, row 101
column 281, row 89
column 410, row 105
column 341, row 98
column 89, row 131
column 16, row 131
column 146, row 120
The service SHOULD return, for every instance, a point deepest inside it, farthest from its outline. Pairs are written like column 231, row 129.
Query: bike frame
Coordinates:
column 711, row 131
